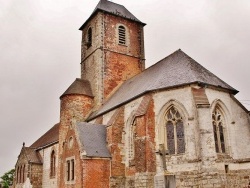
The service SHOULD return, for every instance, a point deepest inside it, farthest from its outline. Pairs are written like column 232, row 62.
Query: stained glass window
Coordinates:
column 218, row 128
column 175, row 132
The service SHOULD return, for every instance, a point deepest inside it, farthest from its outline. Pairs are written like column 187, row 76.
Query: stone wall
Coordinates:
column 36, row 175
column 195, row 179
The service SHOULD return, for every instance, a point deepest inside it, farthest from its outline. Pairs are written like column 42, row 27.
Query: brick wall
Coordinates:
column 95, row 173
column 106, row 64
column 74, row 109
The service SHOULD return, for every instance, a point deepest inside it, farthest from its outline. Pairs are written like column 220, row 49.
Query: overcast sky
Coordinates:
column 40, row 54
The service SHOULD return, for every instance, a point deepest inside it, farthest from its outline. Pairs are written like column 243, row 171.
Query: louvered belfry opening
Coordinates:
column 122, row 34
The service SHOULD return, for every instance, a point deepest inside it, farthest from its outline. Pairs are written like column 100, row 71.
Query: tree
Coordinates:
column 7, row 178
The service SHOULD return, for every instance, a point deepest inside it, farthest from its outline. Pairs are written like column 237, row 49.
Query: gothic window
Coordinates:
column 17, row 175
column 121, row 35
column 218, row 128
column 174, row 132
column 20, row 174
column 23, row 172
column 52, row 164
column 89, row 37
column 131, row 144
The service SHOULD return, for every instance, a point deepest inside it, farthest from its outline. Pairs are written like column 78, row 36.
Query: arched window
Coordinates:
column 175, row 132
column 20, row 174
column 52, row 164
column 219, row 129
column 23, row 173
column 17, row 175
column 131, row 142
column 121, row 35
column 89, row 37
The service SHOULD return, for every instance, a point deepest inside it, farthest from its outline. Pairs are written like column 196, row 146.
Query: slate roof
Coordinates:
column 177, row 69
column 112, row 8
column 79, row 86
column 93, row 139
column 32, row 155
column 50, row 137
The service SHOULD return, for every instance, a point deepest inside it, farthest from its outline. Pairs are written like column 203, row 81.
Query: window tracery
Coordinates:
column 174, row 132
column 218, row 128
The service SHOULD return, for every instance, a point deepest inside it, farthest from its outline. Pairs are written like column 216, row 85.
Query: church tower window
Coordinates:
column 174, row 132
column 218, row 128
column 122, row 35
column 89, row 37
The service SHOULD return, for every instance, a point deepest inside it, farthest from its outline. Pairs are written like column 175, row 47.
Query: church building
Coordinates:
column 174, row 124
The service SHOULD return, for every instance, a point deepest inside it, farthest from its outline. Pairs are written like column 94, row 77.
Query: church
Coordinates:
column 174, row 124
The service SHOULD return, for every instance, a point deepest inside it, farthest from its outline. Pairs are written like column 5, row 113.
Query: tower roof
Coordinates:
column 112, row 8
column 177, row 69
column 80, row 87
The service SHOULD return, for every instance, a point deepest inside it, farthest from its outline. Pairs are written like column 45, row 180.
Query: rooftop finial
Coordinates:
column 23, row 144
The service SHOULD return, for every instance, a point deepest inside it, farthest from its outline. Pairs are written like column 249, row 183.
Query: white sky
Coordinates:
column 40, row 54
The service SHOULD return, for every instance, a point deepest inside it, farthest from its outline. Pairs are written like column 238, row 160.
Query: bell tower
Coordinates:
column 112, row 48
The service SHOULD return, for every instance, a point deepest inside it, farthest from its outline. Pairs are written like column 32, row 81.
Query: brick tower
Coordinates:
column 112, row 48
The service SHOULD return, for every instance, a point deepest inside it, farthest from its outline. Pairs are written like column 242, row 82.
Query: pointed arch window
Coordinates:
column 122, row 35
column 17, row 175
column 219, row 130
column 23, row 180
column 52, row 164
column 89, row 37
column 131, row 142
column 174, row 132
column 20, row 174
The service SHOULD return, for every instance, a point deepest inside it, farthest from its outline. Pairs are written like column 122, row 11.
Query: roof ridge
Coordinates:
column 37, row 142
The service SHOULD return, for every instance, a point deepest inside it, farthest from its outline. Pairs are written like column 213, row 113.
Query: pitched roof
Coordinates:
column 50, row 137
column 32, row 155
column 79, row 86
column 93, row 139
column 112, row 8
column 175, row 70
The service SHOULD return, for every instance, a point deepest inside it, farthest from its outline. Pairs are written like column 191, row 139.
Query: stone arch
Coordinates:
column 129, row 139
column 160, row 126
column 217, row 104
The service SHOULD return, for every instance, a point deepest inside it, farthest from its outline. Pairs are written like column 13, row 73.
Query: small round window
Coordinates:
column 71, row 142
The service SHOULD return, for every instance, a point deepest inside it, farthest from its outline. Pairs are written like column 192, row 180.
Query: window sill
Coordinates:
column 123, row 45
